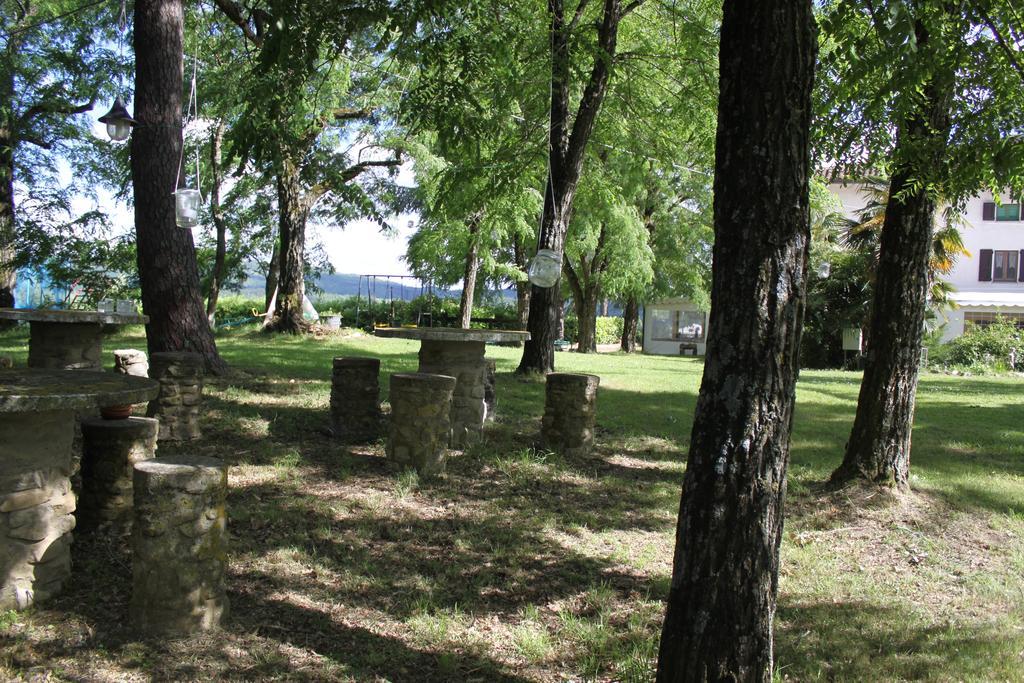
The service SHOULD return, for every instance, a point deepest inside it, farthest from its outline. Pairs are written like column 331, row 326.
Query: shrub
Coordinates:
column 997, row 346
column 609, row 329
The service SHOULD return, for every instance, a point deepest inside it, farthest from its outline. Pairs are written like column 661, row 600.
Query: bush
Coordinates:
column 609, row 329
column 997, row 346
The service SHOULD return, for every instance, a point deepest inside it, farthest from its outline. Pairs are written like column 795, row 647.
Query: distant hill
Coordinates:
column 348, row 284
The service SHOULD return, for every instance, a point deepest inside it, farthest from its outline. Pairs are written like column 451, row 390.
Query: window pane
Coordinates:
column 1004, row 266
column 661, row 323
column 1008, row 212
column 691, row 326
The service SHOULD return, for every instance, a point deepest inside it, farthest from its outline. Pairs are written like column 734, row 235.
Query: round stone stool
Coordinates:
column 179, row 545
column 131, row 362
column 355, row 399
column 420, row 421
column 180, row 374
column 570, row 411
column 110, row 449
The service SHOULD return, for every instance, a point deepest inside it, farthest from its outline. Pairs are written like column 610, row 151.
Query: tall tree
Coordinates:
column 568, row 134
column 168, row 274
column 934, row 89
column 53, row 68
column 721, row 604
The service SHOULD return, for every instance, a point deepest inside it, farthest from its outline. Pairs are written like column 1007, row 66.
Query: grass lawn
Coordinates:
column 520, row 565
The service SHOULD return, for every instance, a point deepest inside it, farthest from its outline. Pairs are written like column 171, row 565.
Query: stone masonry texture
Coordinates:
column 464, row 361
column 65, row 346
column 179, row 545
column 570, row 413
column 420, row 421
column 36, row 506
column 355, row 399
column 181, row 393
column 109, row 452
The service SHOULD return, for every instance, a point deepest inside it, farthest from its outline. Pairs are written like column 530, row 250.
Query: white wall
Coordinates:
column 977, row 234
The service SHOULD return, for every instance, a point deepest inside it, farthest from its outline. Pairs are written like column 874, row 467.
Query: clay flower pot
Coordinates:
column 116, row 412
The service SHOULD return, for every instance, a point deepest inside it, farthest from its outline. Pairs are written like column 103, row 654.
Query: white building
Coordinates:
column 990, row 281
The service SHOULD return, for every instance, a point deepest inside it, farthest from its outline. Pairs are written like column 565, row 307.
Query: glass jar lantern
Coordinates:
column 186, row 207
column 545, row 268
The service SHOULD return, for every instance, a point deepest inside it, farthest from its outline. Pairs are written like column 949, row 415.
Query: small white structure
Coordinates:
column 990, row 281
column 675, row 327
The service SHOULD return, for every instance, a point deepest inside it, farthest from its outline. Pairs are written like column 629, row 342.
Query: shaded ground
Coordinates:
column 519, row 565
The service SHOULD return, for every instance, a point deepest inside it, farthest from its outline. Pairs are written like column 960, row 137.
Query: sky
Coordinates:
column 359, row 248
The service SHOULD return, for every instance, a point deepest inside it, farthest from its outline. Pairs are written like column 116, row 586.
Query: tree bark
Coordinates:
column 879, row 445
column 8, row 275
column 721, row 603
column 565, row 162
column 292, row 215
column 217, row 212
column 523, row 289
column 469, row 276
column 273, row 274
column 630, row 325
column 168, row 274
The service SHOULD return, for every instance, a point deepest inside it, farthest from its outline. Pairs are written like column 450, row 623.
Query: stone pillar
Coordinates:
column 110, row 449
column 179, row 545
column 463, row 360
column 355, row 399
column 181, row 391
column 491, row 387
column 131, row 362
column 570, row 411
column 420, row 421
column 65, row 346
column 36, row 505
column 6, row 362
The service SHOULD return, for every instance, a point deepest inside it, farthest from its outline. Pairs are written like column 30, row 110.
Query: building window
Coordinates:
column 1004, row 266
column 991, row 211
column 1008, row 212
column 985, row 318
column 669, row 324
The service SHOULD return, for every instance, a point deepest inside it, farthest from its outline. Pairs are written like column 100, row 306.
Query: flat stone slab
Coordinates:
column 35, row 389
column 48, row 315
column 452, row 334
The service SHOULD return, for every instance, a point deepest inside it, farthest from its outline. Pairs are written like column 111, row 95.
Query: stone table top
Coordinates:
column 36, row 389
column 56, row 315
column 452, row 334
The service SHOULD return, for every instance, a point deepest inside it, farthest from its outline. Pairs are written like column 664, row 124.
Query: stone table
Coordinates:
column 67, row 340
column 460, row 354
column 37, row 425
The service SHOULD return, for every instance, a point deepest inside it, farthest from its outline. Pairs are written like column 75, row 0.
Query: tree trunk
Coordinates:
column 879, row 445
column 273, row 274
column 630, row 325
column 469, row 276
column 216, row 211
column 8, row 275
column 586, row 316
column 291, row 287
column 565, row 162
column 721, row 603
column 168, row 274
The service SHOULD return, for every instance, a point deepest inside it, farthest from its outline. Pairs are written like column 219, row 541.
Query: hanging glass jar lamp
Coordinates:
column 545, row 268
column 186, row 207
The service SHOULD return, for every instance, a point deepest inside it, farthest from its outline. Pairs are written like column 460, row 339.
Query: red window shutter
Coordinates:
column 1020, row 266
column 985, row 266
column 988, row 211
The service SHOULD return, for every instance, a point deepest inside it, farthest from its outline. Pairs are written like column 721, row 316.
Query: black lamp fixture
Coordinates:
column 119, row 122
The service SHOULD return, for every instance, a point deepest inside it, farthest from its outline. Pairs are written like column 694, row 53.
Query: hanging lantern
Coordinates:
column 119, row 122
column 186, row 207
column 824, row 270
column 545, row 268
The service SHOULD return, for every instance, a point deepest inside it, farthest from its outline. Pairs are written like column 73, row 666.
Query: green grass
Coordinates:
column 520, row 564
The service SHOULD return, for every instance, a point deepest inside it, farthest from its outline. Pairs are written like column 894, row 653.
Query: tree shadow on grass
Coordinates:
column 860, row 641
